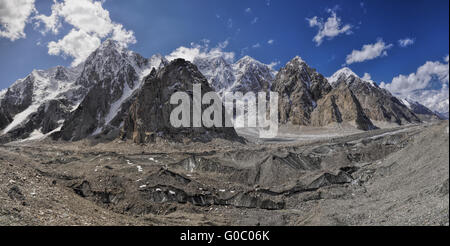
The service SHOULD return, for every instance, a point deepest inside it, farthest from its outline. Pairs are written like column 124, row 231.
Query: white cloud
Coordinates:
column 202, row 51
column 274, row 64
column 255, row 20
column 367, row 77
column 417, row 85
column 90, row 23
column 271, row 41
column 329, row 29
column 248, row 10
column 77, row 44
column 406, row 42
column 14, row 14
column 369, row 52
column 257, row 45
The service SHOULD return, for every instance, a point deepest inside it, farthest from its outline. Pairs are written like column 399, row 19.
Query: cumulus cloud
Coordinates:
column 428, row 85
column 406, row 42
column 274, row 64
column 330, row 28
column 77, row 44
column 369, row 52
column 14, row 14
column 271, row 41
column 257, row 45
column 367, row 77
column 90, row 23
column 202, row 51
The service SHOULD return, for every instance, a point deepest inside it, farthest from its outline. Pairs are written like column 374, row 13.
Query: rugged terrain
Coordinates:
column 396, row 176
column 94, row 145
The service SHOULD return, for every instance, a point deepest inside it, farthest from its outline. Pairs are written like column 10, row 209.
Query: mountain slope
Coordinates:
column 149, row 115
column 245, row 75
column 116, row 74
column 340, row 106
column 378, row 104
column 42, row 96
column 251, row 76
column 424, row 113
column 299, row 87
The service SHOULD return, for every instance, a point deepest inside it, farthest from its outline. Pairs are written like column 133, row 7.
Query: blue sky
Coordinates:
column 162, row 26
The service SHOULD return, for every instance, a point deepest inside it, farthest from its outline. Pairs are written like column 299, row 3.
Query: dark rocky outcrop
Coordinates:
column 114, row 74
column 378, row 104
column 424, row 113
column 149, row 116
column 48, row 117
column 299, row 88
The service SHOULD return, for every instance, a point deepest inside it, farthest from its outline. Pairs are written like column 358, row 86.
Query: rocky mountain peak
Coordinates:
column 149, row 115
column 297, row 62
column 299, row 87
column 342, row 74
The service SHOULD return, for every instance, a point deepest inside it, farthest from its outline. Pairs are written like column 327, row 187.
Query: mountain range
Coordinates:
column 107, row 94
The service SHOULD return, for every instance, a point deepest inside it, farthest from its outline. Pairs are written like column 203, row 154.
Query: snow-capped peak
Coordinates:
column 341, row 73
column 346, row 73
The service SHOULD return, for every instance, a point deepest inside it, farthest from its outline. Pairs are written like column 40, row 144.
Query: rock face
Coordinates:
column 424, row 113
column 149, row 115
column 378, row 104
column 299, row 88
column 5, row 118
column 245, row 75
column 115, row 74
column 44, row 96
column 339, row 106
column 251, row 76
column 218, row 71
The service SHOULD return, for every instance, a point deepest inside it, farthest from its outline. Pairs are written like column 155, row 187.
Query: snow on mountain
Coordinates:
column 251, row 75
column 224, row 75
column 26, row 95
column 114, row 74
column 156, row 62
column 219, row 73
column 420, row 110
column 345, row 73
column 378, row 104
column 58, row 96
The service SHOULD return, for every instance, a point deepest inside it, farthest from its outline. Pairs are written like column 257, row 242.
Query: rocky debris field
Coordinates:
column 397, row 176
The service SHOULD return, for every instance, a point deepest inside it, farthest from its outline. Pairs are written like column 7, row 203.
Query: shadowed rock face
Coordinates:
column 424, row 113
column 149, row 115
column 16, row 99
column 5, row 118
column 47, row 118
column 299, row 88
column 112, row 71
column 339, row 106
column 379, row 104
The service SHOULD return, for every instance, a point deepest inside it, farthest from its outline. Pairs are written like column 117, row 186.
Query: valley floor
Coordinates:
column 395, row 176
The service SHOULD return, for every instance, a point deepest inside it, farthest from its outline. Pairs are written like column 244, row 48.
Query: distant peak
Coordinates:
column 296, row 61
column 110, row 44
column 298, row 58
column 347, row 71
column 248, row 59
column 343, row 72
